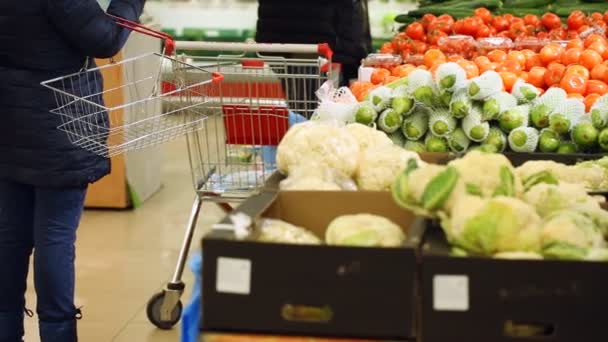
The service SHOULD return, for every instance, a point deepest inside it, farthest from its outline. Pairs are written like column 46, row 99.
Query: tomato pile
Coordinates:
column 578, row 65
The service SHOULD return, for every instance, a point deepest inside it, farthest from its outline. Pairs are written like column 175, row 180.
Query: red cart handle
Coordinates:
column 137, row 27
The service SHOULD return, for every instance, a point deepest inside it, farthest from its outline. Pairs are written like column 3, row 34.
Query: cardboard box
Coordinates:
column 490, row 300
column 311, row 290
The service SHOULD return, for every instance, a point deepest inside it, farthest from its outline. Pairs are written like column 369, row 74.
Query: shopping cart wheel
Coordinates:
column 154, row 309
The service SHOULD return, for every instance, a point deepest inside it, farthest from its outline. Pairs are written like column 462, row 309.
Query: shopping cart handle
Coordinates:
column 322, row 49
column 137, row 27
column 217, row 77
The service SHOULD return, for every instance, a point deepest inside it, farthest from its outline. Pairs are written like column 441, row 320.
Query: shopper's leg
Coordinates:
column 16, row 241
column 57, row 214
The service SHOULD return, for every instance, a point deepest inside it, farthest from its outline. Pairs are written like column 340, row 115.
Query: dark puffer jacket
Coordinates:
column 343, row 24
column 42, row 40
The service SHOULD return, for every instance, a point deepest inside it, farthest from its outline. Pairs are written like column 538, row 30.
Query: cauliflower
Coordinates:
column 308, row 183
column 380, row 165
column 518, row 255
column 316, row 176
column 329, row 145
column 549, row 198
column 368, row 136
column 364, row 230
column 490, row 226
column 487, row 174
column 570, row 234
column 591, row 176
column 279, row 231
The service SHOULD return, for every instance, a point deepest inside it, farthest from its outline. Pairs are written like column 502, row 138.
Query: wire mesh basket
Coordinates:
column 159, row 99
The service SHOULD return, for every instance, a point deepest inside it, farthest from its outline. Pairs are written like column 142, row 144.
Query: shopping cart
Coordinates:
column 248, row 113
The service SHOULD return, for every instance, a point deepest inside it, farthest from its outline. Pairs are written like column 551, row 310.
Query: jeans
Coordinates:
column 43, row 220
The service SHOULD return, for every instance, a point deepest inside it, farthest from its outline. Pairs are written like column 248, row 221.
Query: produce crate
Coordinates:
column 469, row 299
column 325, row 291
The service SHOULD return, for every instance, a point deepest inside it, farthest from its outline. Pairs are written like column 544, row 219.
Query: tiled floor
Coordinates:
column 124, row 257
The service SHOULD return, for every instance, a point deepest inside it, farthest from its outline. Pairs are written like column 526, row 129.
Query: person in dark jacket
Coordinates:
column 43, row 177
column 343, row 24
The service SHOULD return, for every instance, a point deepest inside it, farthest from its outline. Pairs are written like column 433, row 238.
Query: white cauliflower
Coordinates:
column 364, row 230
column 308, row 183
column 550, row 198
column 570, row 234
column 368, row 136
column 278, row 231
column 316, row 176
column 495, row 225
column 380, row 165
column 488, row 174
column 591, row 176
column 326, row 144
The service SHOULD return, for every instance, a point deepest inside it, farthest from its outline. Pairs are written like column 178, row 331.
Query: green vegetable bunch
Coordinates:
column 447, row 113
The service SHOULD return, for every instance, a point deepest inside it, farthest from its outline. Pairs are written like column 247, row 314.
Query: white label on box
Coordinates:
column 233, row 276
column 451, row 293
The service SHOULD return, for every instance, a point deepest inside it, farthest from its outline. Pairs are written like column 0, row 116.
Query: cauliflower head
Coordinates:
column 364, row 230
column 487, row 175
column 380, row 165
column 278, row 231
column 367, row 136
column 496, row 225
column 308, row 183
column 570, row 234
column 549, row 198
column 591, row 175
column 326, row 144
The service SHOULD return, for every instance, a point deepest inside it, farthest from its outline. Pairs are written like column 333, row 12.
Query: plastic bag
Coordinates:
column 335, row 104
column 279, row 231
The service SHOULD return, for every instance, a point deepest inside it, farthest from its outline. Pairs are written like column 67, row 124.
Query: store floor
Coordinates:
column 124, row 257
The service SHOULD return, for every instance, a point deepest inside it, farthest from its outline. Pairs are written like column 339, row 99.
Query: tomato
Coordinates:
column 427, row 19
column 497, row 56
column 509, row 17
column 551, row 21
column 471, row 68
column 434, row 56
column 576, row 19
column 575, row 43
column 512, row 66
column 434, row 36
column 558, row 33
column 536, row 76
column 459, row 27
column 590, row 58
column 418, row 47
column 446, row 18
column 592, row 38
column 518, row 29
column 402, row 70
column 484, row 14
column 483, row 31
column 573, row 84
column 379, row 75
column 590, row 101
column 531, row 19
column 596, row 87
column 550, row 53
column 415, row 31
column 577, row 96
column 485, row 67
column 599, row 47
column 524, row 76
column 606, row 17
column 571, row 56
column 577, row 69
column 597, row 16
column 500, row 23
column 518, row 57
column 470, row 27
column 508, row 79
column 554, row 74
column 533, row 61
column 599, row 72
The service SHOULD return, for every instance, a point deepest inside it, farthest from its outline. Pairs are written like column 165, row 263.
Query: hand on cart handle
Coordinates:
column 137, row 27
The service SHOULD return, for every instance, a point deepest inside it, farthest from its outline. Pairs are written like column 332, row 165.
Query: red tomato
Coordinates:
column 590, row 101
column 415, row 31
column 596, row 87
column 606, row 17
column 500, row 23
column 536, row 76
column 554, row 74
column 576, row 19
column 573, row 84
column 427, row 19
column 518, row 29
column 550, row 53
column 577, row 69
column 484, row 14
column 599, row 47
column 531, row 19
column 508, row 79
column 571, row 56
column 551, row 21
column 590, row 58
column 379, row 75
column 470, row 26
column 483, row 31
column 459, row 27
column 599, row 72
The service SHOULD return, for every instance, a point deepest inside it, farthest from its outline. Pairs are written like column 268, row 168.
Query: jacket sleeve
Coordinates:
column 86, row 26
